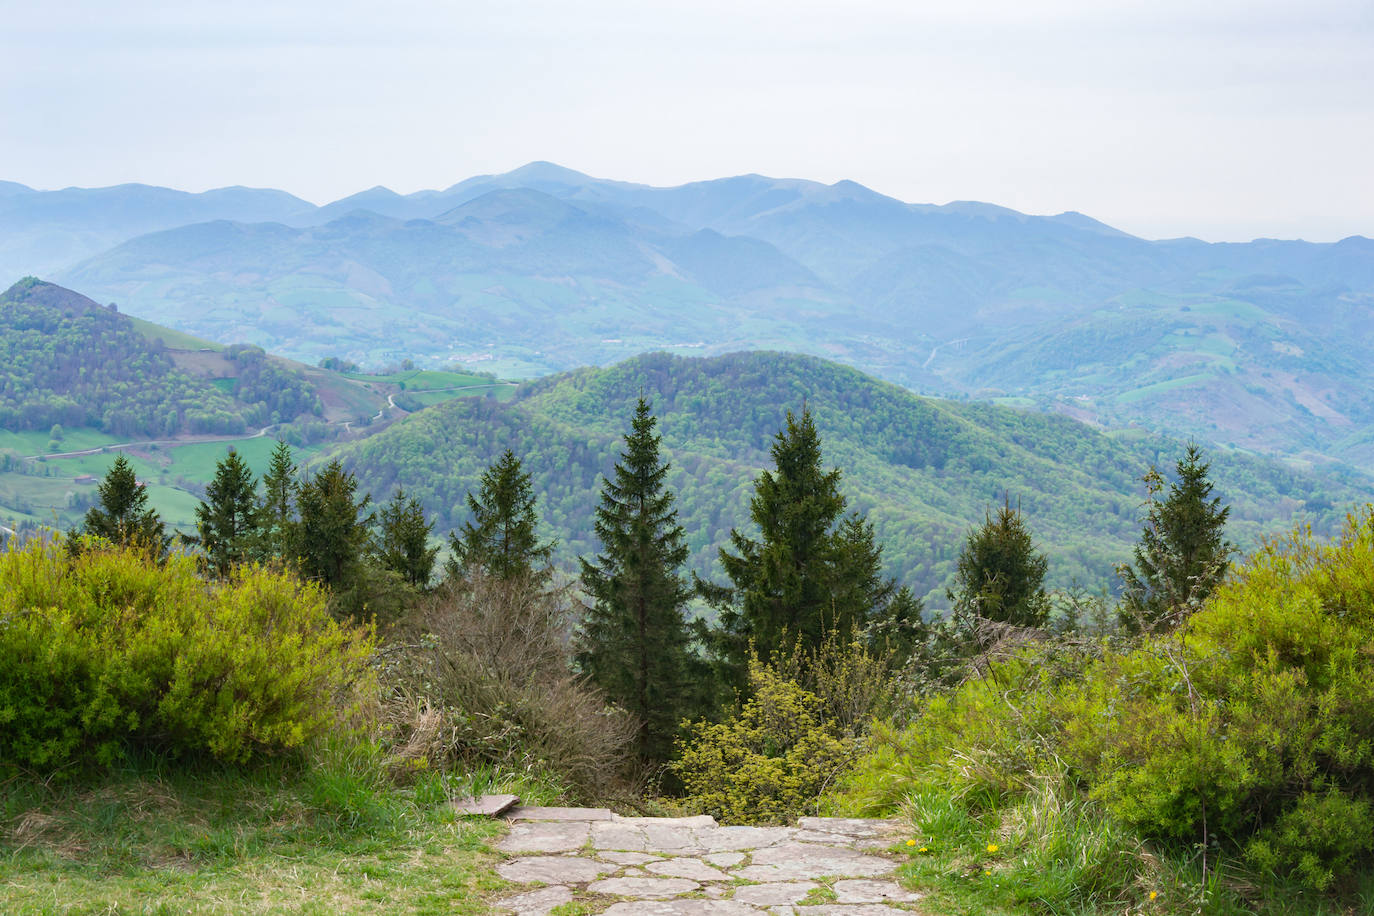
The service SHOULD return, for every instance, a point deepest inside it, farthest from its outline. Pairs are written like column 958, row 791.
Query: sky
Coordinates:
column 1224, row 120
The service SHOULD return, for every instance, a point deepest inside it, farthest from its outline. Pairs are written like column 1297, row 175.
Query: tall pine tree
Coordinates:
column 1001, row 576
column 501, row 538
column 227, row 520
column 332, row 534
column 404, row 543
column 122, row 515
column 634, row 642
column 276, row 513
column 812, row 572
column 1182, row 556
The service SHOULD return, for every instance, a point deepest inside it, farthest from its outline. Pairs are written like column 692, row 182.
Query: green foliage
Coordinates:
column 67, row 362
column 227, row 520
column 103, row 652
column 770, row 762
column 1000, row 574
column 813, row 570
column 403, row 546
column 1181, row 557
column 634, row 643
column 500, row 537
column 921, row 470
column 123, row 516
column 332, row 533
column 1247, row 730
column 276, row 513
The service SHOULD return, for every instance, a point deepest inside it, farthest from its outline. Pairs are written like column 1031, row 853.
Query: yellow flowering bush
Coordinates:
column 770, row 762
column 102, row 650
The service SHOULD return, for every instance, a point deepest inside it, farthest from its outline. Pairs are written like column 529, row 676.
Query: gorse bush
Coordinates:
column 103, row 651
column 768, row 763
column 1248, row 729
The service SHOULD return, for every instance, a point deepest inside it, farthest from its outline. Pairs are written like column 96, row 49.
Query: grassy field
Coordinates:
column 329, row 837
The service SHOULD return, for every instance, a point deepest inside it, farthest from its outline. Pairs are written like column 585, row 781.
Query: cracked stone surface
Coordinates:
column 781, row 893
column 868, row 891
column 692, row 865
column 537, row 903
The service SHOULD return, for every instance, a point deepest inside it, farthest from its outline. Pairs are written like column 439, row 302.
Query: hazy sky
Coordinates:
column 1221, row 119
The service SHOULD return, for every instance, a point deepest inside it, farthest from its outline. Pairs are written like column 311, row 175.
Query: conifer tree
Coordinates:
column 1182, row 555
column 501, row 538
column 404, row 543
column 813, row 571
column 634, row 642
column 122, row 515
column 332, row 533
column 1000, row 574
column 227, row 520
column 276, row 513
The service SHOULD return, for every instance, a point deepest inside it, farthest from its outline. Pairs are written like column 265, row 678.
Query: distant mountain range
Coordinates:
column 1265, row 345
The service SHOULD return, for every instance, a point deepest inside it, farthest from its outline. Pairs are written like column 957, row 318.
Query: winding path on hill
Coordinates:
column 653, row 866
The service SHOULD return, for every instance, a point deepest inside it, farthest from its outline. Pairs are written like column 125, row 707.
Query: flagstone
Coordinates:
column 780, row 893
column 869, row 891
column 695, row 869
column 647, row 888
column 553, row 870
column 537, row 903
column 545, row 837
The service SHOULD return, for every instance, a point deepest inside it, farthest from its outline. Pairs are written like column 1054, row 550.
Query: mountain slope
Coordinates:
column 924, row 471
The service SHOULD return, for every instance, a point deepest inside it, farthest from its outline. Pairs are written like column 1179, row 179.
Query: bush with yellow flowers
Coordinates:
column 104, row 650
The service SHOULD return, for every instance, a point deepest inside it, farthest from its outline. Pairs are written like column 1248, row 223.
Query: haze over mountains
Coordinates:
column 1264, row 345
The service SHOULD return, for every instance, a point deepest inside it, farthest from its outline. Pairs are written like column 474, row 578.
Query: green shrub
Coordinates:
column 770, row 762
column 1248, row 728
column 102, row 651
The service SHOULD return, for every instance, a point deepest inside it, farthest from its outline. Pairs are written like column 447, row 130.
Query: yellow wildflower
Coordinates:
column 992, row 847
column 1154, row 894
column 911, row 842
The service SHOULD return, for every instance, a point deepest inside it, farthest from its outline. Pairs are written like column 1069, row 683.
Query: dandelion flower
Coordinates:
column 911, row 842
column 987, row 871
column 992, row 847
column 924, row 849
column 1154, row 894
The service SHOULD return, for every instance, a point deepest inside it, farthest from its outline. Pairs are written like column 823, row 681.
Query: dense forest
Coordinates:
column 65, row 360
column 923, row 471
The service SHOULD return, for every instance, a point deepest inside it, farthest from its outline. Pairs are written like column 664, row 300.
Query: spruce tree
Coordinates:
column 276, row 514
column 122, row 515
column 1001, row 576
column 634, row 642
column 501, row 538
column 332, row 534
column 404, row 543
column 1182, row 555
column 227, row 520
column 813, row 571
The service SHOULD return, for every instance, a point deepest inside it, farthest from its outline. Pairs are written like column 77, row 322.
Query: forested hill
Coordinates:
column 66, row 360
column 923, row 470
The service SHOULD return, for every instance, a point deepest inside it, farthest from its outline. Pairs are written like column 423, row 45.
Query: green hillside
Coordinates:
column 923, row 470
column 69, row 362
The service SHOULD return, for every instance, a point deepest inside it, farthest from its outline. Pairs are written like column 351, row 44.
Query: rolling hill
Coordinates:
column 923, row 470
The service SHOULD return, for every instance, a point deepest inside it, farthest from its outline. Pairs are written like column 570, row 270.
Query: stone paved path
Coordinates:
column 647, row 866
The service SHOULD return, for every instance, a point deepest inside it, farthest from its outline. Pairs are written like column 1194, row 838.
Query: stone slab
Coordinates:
column 540, row 836
column 692, row 869
column 485, row 805
column 614, row 836
column 537, row 903
column 680, row 908
column 850, row 826
column 778, row 893
column 724, row 859
column 646, row 888
column 856, row 909
column 538, row 813
column 793, row 861
column 735, row 839
column 626, row 858
column 861, row 890
column 696, row 821
column 553, row 870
